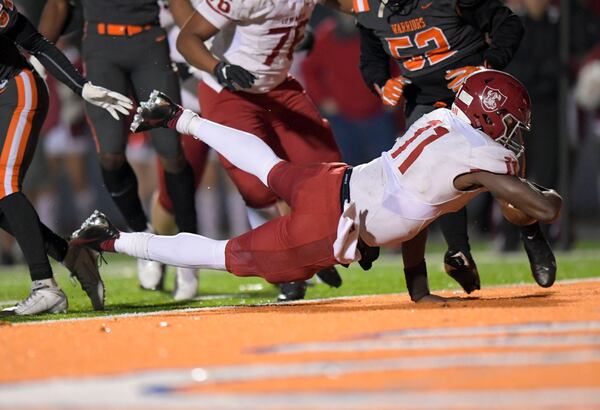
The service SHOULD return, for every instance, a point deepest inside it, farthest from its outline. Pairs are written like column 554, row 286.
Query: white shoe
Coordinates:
column 83, row 265
column 186, row 284
column 45, row 297
column 150, row 274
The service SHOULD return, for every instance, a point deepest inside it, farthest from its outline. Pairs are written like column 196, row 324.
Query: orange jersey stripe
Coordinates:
column 10, row 135
column 360, row 6
column 26, row 130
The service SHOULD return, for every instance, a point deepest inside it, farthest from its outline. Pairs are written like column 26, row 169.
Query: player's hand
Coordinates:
column 230, row 76
column 392, row 91
column 458, row 76
column 111, row 101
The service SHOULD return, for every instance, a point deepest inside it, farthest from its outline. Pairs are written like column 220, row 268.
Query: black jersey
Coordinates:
column 429, row 37
column 121, row 11
column 11, row 59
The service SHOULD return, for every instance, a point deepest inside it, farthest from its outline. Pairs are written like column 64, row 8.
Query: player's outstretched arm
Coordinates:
column 542, row 205
column 23, row 33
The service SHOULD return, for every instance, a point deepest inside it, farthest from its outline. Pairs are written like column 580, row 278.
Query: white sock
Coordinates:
column 244, row 150
column 134, row 244
column 188, row 251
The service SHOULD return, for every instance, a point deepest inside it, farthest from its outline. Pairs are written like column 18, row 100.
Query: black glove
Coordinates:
column 232, row 76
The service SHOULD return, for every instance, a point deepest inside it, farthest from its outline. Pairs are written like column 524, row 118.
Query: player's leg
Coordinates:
column 304, row 135
column 218, row 107
column 111, row 140
column 153, row 69
column 289, row 248
column 23, row 108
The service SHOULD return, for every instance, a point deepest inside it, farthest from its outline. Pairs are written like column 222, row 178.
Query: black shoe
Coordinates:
column 291, row 291
column 462, row 268
column 330, row 276
column 158, row 111
column 95, row 230
column 541, row 257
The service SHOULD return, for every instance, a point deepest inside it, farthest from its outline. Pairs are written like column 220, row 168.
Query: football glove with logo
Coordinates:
column 457, row 76
column 230, row 76
column 392, row 91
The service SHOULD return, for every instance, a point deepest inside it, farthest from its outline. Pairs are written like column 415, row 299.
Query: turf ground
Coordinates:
column 517, row 346
column 222, row 289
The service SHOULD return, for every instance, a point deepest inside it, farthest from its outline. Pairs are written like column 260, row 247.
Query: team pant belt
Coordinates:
column 107, row 29
column 345, row 188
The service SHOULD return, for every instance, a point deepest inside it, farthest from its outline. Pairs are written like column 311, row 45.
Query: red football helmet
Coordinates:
column 496, row 103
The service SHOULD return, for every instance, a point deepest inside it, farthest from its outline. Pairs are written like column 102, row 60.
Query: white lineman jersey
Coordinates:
column 266, row 33
column 409, row 186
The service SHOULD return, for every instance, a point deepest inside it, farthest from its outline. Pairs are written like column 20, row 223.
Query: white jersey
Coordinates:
column 258, row 35
column 412, row 184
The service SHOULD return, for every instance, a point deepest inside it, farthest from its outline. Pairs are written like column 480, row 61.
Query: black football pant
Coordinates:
column 137, row 64
column 23, row 108
column 453, row 225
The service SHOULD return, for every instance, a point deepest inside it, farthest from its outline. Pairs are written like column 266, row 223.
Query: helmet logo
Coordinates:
column 492, row 99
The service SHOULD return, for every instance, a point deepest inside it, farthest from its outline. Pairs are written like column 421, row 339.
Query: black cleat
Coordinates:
column 291, row 291
column 330, row 276
column 462, row 268
column 159, row 111
column 93, row 231
column 541, row 257
column 82, row 262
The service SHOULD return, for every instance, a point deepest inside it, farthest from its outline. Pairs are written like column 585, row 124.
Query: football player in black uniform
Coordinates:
column 124, row 48
column 23, row 108
column 437, row 44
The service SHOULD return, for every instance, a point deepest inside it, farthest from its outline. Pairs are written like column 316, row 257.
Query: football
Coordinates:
column 514, row 215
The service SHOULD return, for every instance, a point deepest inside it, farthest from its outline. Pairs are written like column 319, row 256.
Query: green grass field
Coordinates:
column 123, row 294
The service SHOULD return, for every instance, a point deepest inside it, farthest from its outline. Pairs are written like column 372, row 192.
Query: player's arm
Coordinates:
column 181, row 10
column 21, row 31
column 190, row 44
column 374, row 67
column 504, row 28
column 54, row 18
column 539, row 203
column 374, row 62
column 415, row 269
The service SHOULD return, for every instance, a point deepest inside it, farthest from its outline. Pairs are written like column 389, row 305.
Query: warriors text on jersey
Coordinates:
column 432, row 35
column 412, row 184
column 266, row 33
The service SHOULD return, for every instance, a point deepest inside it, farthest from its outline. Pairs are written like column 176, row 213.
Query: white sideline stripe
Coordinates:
column 294, row 303
column 144, row 389
column 580, row 398
column 492, row 341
